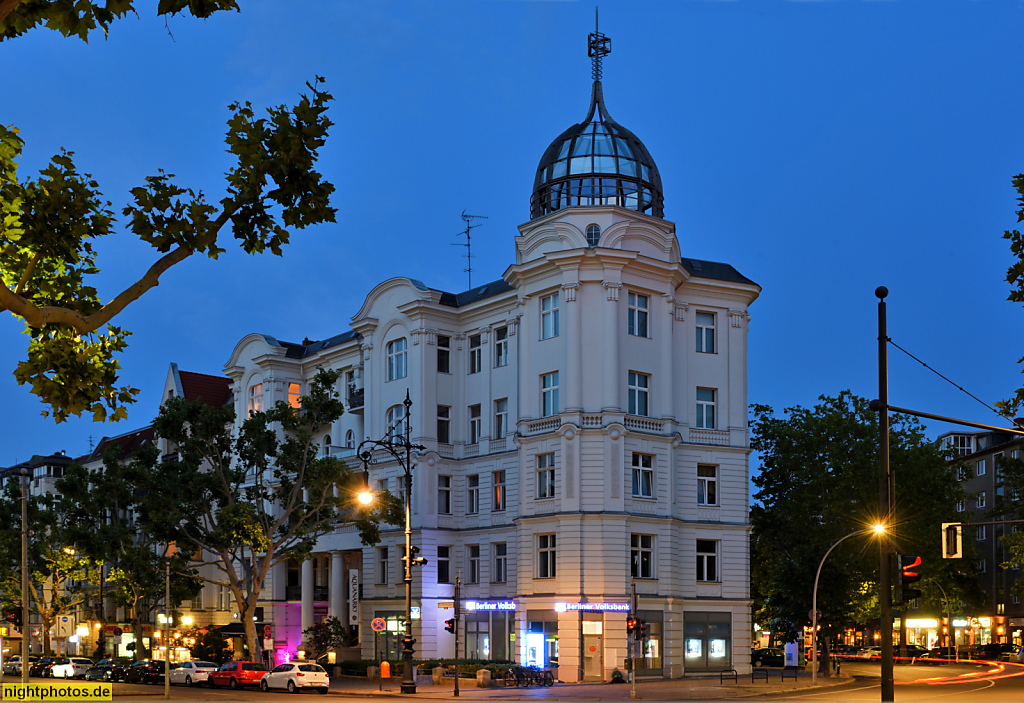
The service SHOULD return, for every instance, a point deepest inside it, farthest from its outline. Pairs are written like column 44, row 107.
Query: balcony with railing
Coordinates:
column 354, row 398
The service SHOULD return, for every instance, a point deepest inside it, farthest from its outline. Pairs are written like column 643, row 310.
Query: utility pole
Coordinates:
column 884, row 501
column 26, row 630
column 633, row 612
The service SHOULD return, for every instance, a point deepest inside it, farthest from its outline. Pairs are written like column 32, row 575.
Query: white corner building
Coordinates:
column 585, row 425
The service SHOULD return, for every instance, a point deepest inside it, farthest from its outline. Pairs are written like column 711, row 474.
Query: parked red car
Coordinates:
column 237, row 674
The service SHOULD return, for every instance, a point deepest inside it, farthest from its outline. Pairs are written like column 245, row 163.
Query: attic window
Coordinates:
column 593, row 235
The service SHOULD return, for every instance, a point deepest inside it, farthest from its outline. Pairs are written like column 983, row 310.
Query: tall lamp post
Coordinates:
column 878, row 530
column 400, row 448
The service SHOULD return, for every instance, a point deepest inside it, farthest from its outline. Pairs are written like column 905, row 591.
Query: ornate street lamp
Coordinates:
column 400, row 448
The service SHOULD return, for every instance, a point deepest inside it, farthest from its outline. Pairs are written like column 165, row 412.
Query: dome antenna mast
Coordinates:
column 598, row 46
column 468, row 219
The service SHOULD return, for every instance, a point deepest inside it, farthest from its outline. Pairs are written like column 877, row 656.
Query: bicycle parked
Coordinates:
column 523, row 676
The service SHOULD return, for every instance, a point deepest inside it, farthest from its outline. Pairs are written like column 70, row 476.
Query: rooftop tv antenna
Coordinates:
column 465, row 233
column 598, row 46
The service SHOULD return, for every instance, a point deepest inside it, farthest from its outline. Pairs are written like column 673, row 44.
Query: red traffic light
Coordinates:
column 449, row 625
column 631, row 624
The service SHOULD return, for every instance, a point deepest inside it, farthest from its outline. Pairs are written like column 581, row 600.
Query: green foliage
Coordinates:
column 209, row 646
column 79, row 18
column 818, row 483
column 1015, row 277
column 249, row 502
column 324, row 636
column 48, row 226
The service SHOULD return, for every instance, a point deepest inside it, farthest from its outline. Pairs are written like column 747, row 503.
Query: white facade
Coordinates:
column 592, row 400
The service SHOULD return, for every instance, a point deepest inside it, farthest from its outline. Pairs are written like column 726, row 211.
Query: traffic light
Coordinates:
column 641, row 629
column 417, row 560
column 449, row 625
column 631, row 624
column 909, row 573
column 13, row 616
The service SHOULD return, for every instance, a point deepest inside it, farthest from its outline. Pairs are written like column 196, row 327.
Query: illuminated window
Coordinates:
column 255, row 398
column 294, row 396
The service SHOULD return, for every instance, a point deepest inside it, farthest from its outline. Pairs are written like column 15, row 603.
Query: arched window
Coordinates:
column 397, row 361
column 396, row 421
column 255, row 404
column 327, row 444
column 593, row 235
column 350, row 440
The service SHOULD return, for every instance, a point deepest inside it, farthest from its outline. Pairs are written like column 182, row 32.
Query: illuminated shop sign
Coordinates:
column 973, row 622
column 602, row 607
column 490, row 605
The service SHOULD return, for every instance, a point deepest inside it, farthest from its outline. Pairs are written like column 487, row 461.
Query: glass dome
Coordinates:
column 597, row 162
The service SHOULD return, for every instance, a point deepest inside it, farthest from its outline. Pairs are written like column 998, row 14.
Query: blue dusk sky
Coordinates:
column 821, row 148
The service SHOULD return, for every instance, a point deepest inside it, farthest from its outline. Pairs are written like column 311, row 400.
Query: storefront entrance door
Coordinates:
column 593, row 669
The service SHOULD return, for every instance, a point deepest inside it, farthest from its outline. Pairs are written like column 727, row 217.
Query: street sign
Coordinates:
column 414, row 611
column 446, row 604
column 378, row 625
column 118, row 632
column 268, row 632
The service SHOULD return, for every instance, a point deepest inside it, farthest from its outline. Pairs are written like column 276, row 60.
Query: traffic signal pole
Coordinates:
column 884, row 501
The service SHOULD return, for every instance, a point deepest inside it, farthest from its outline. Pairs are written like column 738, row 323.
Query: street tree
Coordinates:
column 81, row 18
column 244, row 503
column 324, row 636
column 818, row 482
column 48, row 226
column 1015, row 277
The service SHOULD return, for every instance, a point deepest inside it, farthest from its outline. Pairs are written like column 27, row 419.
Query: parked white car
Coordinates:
column 191, row 673
column 73, row 668
column 295, row 676
column 12, row 667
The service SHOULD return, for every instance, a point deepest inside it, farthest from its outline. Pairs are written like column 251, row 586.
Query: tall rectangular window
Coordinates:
column 500, row 573
column 444, row 354
column 474, row 424
column 706, row 332
column 706, row 408
column 707, row 485
column 546, row 475
column 500, row 418
column 444, row 495
column 501, row 346
column 444, row 424
column 549, row 394
column 636, row 317
column 255, row 404
column 473, row 494
column 475, row 354
column 981, row 500
column 545, row 556
column 980, row 468
column 397, row 359
column 383, row 565
column 638, row 388
column 643, row 475
column 997, row 461
column 444, row 564
column 707, row 560
column 294, row 396
column 498, row 500
column 549, row 316
column 474, row 563
column 981, row 532
column 641, row 556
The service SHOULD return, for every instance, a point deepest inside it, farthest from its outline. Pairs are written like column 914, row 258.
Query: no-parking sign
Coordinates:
column 378, row 625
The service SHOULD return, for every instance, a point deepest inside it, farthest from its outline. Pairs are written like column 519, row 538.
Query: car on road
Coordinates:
column 41, row 667
column 914, row 651
column 870, row 653
column 768, row 656
column 996, row 651
column 145, row 671
column 12, row 667
column 73, row 668
column 296, row 676
column 939, row 655
column 191, row 673
column 237, row 674
column 108, row 669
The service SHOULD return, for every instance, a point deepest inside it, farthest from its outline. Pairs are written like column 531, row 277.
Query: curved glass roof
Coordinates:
column 597, row 162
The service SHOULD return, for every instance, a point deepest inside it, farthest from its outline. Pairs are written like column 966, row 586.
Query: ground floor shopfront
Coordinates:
column 585, row 640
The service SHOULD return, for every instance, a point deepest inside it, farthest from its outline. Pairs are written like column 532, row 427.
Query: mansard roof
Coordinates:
column 714, row 270
column 487, row 290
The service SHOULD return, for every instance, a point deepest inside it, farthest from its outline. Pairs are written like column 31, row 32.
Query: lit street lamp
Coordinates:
column 400, row 448
column 878, row 530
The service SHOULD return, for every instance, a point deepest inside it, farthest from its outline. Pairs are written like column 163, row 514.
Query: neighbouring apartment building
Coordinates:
column 980, row 455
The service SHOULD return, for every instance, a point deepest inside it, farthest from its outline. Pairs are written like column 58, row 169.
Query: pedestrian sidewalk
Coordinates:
column 703, row 687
